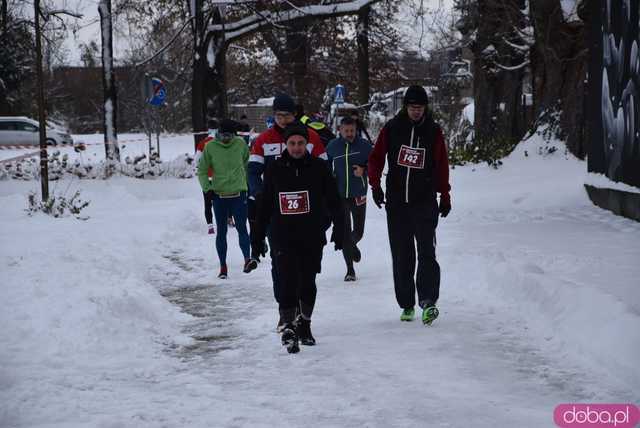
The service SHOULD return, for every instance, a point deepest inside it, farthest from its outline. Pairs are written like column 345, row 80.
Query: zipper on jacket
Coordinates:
column 346, row 168
column 409, row 169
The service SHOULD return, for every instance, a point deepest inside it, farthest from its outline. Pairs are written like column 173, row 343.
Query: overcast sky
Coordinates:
column 89, row 26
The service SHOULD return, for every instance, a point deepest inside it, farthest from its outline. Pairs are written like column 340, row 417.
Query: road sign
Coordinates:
column 158, row 92
column 339, row 98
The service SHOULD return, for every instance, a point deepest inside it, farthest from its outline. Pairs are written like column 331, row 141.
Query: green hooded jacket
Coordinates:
column 229, row 163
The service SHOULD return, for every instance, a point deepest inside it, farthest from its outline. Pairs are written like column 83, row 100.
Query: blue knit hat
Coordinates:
column 283, row 102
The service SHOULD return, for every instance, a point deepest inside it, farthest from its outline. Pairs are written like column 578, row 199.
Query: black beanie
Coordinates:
column 296, row 129
column 228, row 126
column 283, row 102
column 416, row 95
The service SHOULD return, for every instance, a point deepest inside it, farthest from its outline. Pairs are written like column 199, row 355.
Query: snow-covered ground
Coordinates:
column 119, row 321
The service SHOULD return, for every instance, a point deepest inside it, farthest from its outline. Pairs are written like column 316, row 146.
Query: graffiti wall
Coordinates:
column 614, row 90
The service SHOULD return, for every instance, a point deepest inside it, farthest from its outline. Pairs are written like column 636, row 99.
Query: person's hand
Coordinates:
column 358, row 170
column 378, row 196
column 445, row 206
column 338, row 244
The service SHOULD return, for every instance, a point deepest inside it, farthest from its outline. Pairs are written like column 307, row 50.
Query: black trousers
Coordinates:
column 208, row 203
column 354, row 216
column 411, row 226
column 297, row 270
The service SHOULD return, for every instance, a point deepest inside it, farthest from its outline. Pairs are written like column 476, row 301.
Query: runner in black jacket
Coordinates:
column 298, row 191
column 413, row 145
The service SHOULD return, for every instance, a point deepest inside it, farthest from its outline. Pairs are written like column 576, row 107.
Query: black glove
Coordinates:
column 338, row 244
column 378, row 196
column 445, row 206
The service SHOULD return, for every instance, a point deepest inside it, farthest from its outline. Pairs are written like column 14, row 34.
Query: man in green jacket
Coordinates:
column 228, row 156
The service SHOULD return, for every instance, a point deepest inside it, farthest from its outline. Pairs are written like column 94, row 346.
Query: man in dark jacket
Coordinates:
column 266, row 149
column 298, row 190
column 348, row 156
column 414, row 146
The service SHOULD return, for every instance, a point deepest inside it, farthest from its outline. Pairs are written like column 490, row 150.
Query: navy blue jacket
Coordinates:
column 342, row 156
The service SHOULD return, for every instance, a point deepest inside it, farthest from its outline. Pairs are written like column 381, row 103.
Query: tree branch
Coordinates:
column 255, row 22
column 167, row 45
column 512, row 68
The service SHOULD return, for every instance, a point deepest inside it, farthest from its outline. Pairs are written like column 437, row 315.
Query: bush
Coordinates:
column 61, row 167
column 489, row 151
column 57, row 205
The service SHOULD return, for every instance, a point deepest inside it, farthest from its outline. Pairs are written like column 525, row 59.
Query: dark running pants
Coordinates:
column 208, row 202
column 412, row 225
column 297, row 270
column 354, row 216
column 224, row 207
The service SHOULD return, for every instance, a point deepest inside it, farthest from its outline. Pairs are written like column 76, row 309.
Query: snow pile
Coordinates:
column 75, row 297
column 565, row 277
column 603, row 182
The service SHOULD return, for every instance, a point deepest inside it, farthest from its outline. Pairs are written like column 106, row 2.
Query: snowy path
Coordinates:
column 539, row 306
column 477, row 365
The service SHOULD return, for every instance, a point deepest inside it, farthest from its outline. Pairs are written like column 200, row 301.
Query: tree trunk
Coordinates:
column 559, row 64
column 44, row 172
column 297, row 59
column 109, row 86
column 198, row 104
column 208, row 96
column 216, row 86
column 5, row 14
column 498, row 92
column 363, row 55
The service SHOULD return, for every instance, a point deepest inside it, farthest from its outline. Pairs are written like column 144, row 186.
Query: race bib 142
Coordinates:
column 411, row 157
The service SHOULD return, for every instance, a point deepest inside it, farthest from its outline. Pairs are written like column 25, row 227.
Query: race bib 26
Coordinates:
column 294, row 202
column 411, row 157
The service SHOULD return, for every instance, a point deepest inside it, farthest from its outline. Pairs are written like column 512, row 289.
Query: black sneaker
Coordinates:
column 290, row 339
column 223, row 272
column 280, row 326
column 357, row 256
column 249, row 265
column 350, row 277
column 303, row 329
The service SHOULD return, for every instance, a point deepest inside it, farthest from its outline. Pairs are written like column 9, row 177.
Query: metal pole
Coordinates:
column 44, row 170
column 158, row 131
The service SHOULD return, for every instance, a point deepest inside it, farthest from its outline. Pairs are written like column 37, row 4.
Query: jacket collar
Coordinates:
column 289, row 161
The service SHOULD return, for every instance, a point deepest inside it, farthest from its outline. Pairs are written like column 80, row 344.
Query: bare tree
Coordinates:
column 112, row 152
column 213, row 34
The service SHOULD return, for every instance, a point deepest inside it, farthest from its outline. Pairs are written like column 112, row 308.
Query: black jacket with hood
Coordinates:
column 296, row 197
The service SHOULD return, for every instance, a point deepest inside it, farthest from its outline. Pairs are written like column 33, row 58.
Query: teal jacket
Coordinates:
column 342, row 156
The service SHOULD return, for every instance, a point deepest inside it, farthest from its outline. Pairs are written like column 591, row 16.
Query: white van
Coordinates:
column 16, row 130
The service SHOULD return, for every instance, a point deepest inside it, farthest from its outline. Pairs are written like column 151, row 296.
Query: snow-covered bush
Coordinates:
column 60, row 166
column 57, row 205
column 489, row 151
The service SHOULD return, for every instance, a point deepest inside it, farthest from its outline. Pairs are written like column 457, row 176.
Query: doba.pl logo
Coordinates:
column 596, row 415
